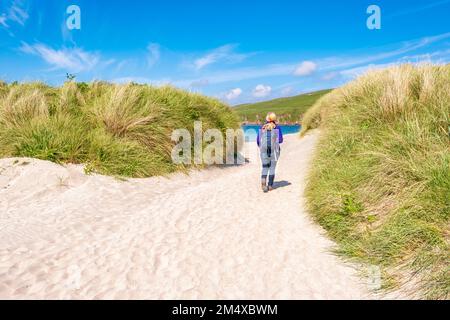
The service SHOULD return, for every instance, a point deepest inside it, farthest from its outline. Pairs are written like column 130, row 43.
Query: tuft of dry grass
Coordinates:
column 380, row 183
column 18, row 107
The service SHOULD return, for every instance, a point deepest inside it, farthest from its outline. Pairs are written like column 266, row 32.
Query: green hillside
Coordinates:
column 288, row 109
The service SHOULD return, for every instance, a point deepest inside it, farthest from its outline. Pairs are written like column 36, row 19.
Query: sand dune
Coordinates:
column 209, row 235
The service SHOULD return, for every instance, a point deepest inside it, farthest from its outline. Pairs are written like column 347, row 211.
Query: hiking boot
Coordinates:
column 264, row 185
column 265, row 189
column 271, row 181
column 269, row 188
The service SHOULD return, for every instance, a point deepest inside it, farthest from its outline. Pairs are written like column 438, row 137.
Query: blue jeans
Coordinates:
column 269, row 164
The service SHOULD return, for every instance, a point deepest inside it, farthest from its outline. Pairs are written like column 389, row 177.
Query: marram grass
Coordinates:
column 380, row 183
column 121, row 130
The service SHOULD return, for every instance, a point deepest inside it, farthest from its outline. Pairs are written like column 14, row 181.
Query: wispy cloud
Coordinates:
column 224, row 53
column 120, row 65
column 334, row 63
column 352, row 73
column 239, row 74
column 16, row 13
column 344, row 68
column 287, row 91
column 326, row 65
column 439, row 57
column 3, row 19
column 199, row 83
column 153, row 54
column 68, row 59
column 330, row 76
column 143, row 80
column 417, row 9
column 436, row 56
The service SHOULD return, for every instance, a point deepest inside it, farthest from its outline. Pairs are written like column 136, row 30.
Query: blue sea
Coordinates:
column 252, row 130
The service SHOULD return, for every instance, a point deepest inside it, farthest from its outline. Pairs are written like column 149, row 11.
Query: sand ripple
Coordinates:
column 212, row 235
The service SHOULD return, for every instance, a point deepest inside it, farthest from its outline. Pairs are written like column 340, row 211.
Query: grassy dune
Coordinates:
column 380, row 183
column 119, row 130
column 289, row 109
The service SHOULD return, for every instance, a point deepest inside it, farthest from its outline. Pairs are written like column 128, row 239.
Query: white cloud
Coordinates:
column 223, row 53
column 70, row 60
column 233, row 75
column 436, row 57
column 330, row 76
column 233, row 94
column 432, row 57
column 3, row 19
column 406, row 46
column 142, row 80
column 287, row 91
column 199, row 83
column 261, row 91
column 15, row 13
column 358, row 71
column 330, row 64
column 121, row 65
column 154, row 54
column 418, row 9
column 306, row 68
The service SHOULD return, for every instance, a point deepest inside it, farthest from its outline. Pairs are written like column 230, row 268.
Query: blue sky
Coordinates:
column 238, row 51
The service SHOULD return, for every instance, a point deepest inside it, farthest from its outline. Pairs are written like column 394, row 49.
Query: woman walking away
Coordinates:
column 269, row 139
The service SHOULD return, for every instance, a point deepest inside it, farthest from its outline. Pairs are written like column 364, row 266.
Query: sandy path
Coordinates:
column 211, row 235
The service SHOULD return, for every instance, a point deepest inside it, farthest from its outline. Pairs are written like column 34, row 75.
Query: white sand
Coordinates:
column 211, row 235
